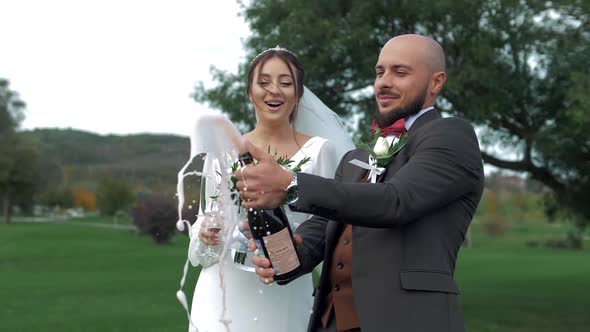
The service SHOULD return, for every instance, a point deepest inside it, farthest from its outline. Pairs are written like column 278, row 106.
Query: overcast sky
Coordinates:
column 113, row 66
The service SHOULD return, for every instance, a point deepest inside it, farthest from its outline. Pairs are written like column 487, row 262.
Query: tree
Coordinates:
column 113, row 195
column 24, row 169
column 21, row 174
column 518, row 70
column 11, row 109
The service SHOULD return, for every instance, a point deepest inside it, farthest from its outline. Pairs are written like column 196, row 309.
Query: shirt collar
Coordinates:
column 410, row 121
column 412, row 118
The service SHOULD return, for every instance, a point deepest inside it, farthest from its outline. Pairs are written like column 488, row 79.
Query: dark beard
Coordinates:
column 387, row 119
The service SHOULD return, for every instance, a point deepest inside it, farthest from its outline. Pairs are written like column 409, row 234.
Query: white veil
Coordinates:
column 314, row 118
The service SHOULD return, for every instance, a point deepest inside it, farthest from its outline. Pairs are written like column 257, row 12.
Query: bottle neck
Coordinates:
column 245, row 159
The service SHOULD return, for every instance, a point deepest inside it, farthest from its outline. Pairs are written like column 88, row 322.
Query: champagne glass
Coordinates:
column 213, row 223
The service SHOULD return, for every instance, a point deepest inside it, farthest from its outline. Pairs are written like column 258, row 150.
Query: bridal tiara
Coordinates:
column 276, row 48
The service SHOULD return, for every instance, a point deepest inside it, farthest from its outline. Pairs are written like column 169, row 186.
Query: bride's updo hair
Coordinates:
column 290, row 60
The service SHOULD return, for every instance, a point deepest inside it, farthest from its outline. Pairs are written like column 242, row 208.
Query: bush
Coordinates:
column 574, row 240
column 494, row 226
column 156, row 215
column 84, row 199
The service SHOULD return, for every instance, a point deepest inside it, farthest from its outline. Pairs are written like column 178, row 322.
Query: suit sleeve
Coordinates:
column 313, row 233
column 445, row 165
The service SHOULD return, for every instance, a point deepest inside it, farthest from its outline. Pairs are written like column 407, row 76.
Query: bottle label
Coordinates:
column 281, row 251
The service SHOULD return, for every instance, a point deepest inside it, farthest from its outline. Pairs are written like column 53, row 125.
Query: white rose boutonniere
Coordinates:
column 381, row 147
column 381, row 151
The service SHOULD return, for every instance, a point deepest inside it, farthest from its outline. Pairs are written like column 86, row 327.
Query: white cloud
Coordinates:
column 116, row 66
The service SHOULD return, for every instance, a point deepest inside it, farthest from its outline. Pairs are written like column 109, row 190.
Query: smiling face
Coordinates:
column 408, row 76
column 272, row 90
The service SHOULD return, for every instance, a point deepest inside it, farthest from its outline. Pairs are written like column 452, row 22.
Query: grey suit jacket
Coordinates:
column 407, row 229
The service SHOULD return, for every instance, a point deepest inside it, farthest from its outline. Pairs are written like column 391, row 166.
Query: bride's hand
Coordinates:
column 245, row 230
column 262, row 186
column 209, row 238
column 263, row 267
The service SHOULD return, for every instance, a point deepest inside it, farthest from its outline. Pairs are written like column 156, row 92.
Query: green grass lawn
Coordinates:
column 71, row 277
column 508, row 286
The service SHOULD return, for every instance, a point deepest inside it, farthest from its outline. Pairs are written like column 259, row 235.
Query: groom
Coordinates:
column 388, row 248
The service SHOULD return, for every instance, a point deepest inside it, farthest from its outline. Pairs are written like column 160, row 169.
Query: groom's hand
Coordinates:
column 262, row 185
column 263, row 267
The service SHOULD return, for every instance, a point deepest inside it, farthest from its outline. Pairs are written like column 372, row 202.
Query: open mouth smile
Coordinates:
column 274, row 105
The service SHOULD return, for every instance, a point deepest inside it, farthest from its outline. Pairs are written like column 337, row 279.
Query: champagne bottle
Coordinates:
column 273, row 236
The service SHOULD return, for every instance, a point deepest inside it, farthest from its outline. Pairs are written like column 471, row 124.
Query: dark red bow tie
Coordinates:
column 396, row 129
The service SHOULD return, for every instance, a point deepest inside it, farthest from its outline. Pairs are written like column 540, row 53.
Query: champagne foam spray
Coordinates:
column 214, row 135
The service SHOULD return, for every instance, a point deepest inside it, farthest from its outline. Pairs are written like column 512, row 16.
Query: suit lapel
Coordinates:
column 353, row 173
column 396, row 163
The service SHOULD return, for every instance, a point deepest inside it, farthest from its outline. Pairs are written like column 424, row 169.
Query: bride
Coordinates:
column 291, row 123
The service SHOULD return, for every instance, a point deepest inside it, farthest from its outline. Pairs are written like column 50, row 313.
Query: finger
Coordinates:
column 244, row 227
column 265, row 273
column 298, row 239
column 208, row 234
column 247, row 204
column 251, row 245
column 209, row 238
column 253, row 204
column 247, row 195
column 267, row 281
column 239, row 184
column 209, row 241
column 256, row 153
column 240, row 174
column 261, row 262
column 245, row 230
column 257, row 202
column 252, row 188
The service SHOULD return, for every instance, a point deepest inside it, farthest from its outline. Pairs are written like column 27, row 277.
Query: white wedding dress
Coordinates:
column 252, row 305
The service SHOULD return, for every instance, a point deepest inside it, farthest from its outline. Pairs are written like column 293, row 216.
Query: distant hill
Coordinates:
column 147, row 161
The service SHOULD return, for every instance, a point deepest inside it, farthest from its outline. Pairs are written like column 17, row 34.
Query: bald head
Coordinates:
column 410, row 73
column 422, row 48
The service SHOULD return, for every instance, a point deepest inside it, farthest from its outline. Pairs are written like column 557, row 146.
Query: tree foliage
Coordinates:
column 21, row 174
column 519, row 70
column 25, row 168
column 11, row 108
column 57, row 197
column 113, row 195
